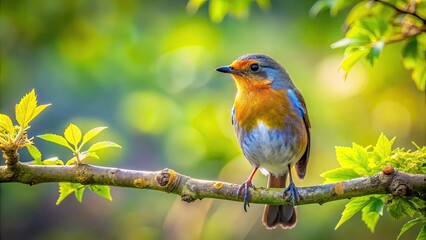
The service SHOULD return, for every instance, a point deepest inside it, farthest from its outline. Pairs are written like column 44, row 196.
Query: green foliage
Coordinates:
column 371, row 26
column 218, row 9
column 14, row 137
column 411, row 223
column 375, row 24
column 71, row 140
column 65, row 189
column 27, row 109
column 357, row 161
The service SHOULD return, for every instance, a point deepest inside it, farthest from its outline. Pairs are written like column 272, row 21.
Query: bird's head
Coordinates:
column 257, row 71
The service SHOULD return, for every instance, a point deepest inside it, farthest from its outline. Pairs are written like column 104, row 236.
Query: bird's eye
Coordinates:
column 254, row 67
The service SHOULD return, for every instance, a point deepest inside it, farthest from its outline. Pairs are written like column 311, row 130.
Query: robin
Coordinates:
column 272, row 126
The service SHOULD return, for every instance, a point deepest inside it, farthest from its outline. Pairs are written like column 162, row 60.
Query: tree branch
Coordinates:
column 401, row 11
column 389, row 181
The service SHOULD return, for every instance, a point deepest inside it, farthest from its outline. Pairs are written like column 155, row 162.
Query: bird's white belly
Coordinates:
column 270, row 149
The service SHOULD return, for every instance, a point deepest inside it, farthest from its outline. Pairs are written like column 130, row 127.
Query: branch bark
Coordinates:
column 389, row 181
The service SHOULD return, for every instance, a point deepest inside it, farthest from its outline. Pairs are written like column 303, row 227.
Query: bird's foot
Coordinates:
column 246, row 185
column 293, row 193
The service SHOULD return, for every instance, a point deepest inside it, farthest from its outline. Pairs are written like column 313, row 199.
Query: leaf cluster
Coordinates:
column 373, row 24
column 74, row 141
column 14, row 137
column 218, row 9
column 358, row 161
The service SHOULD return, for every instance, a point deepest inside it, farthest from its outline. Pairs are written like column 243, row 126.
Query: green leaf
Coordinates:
column 26, row 110
column 375, row 51
column 351, row 208
column 73, row 134
column 361, row 157
column 91, row 134
column 218, row 9
column 344, row 42
column 53, row 161
column 101, row 145
column 320, row 5
column 35, row 153
column 79, row 193
column 413, row 58
column 401, row 207
column 352, row 56
column 194, row 5
column 422, row 233
column 383, row 148
column 56, row 139
column 38, row 110
column 355, row 158
column 72, row 161
column 339, row 174
column 6, row 125
column 410, row 224
column 103, row 191
column 65, row 189
column 371, row 213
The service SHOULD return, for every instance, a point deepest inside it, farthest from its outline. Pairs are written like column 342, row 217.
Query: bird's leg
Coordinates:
column 292, row 189
column 246, row 185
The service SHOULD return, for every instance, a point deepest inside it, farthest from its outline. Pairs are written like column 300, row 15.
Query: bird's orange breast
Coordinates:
column 261, row 104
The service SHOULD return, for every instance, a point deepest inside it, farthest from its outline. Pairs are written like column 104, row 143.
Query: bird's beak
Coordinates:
column 225, row 69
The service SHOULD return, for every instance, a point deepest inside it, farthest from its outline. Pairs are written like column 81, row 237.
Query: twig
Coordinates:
column 402, row 11
column 389, row 181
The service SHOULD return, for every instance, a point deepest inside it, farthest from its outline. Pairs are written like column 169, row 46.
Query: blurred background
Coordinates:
column 145, row 69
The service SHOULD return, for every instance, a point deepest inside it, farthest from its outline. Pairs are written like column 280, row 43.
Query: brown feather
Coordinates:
column 274, row 215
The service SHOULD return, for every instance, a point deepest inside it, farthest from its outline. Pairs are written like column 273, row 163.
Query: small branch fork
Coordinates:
column 389, row 181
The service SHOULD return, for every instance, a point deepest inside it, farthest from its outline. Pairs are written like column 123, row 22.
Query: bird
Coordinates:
column 271, row 122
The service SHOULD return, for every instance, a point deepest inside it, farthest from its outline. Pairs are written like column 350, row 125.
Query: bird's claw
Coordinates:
column 293, row 193
column 246, row 185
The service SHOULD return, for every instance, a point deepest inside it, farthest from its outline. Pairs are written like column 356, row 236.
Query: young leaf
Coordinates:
column 35, row 153
column 79, row 192
column 73, row 134
column 101, row 145
column 413, row 58
column 355, row 158
column 53, row 161
column 361, row 157
column 56, row 139
column 72, row 161
column 352, row 56
column 354, row 206
column 375, row 51
column 26, row 110
column 6, row 125
column 38, row 110
column 410, row 224
column 372, row 212
column 339, row 174
column 103, row 191
column 401, row 207
column 383, row 148
column 65, row 189
column 91, row 134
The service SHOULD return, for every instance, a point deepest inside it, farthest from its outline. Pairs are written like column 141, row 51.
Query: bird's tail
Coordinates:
column 282, row 215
